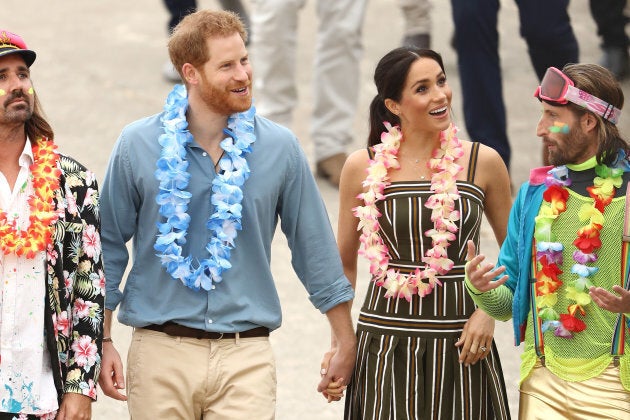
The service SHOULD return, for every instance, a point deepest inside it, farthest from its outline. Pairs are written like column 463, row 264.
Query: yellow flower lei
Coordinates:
column 45, row 180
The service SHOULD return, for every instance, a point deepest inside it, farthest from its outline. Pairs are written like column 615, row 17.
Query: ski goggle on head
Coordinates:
column 557, row 87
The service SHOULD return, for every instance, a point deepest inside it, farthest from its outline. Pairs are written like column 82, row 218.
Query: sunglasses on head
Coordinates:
column 557, row 88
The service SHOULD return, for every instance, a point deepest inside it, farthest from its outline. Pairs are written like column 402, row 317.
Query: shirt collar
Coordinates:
column 26, row 158
column 587, row 164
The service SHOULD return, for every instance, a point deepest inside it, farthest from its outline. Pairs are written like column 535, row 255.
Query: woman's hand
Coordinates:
column 476, row 339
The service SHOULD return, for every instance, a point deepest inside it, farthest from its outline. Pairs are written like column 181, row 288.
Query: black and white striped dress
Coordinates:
column 407, row 363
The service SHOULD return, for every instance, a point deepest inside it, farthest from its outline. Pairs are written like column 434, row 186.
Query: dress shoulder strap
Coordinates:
column 472, row 163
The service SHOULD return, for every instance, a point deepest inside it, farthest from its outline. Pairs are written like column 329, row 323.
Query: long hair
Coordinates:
column 37, row 126
column 600, row 82
column 390, row 77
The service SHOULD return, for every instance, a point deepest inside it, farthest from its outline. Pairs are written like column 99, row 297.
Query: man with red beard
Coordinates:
column 564, row 240
column 52, row 290
column 199, row 189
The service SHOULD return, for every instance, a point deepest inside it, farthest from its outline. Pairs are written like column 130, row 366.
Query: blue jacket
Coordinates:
column 516, row 251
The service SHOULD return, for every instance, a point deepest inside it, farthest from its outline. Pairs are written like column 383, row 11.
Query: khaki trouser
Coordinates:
column 190, row 379
column 545, row 396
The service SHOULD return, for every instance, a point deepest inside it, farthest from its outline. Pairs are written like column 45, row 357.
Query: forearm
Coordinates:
column 341, row 326
column 107, row 323
column 497, row 302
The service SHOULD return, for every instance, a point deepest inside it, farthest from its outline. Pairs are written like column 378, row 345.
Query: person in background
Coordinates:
column 338, row 51
column 417, row 18
column 408, row 203
column 564, row 240
column 610, row 17
column 53, row 286
column 199, row 190
column 545, row 26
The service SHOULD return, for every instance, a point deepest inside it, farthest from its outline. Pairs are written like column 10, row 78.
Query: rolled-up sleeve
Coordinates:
column 304, row 221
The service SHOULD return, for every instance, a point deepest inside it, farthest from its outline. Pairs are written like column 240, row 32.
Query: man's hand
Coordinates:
column 482, row 277
column 609, row 301
column 75, row 407
column 112, row 378
column 336, row 366
column 338, row 363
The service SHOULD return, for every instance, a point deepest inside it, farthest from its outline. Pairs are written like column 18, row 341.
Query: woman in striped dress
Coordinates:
column 408, row 204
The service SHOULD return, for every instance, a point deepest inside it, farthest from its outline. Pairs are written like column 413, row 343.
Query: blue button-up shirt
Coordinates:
column 280, row 187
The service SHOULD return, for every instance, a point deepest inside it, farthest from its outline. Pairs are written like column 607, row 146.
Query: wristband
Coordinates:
column 107, row 340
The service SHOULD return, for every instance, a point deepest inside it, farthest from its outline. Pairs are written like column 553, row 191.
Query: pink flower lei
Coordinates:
column 443, row 215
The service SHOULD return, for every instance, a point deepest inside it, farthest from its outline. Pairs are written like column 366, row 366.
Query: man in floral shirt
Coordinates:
column 53, row 286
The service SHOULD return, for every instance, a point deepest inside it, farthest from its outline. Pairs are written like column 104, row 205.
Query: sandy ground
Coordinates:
column 99, row 68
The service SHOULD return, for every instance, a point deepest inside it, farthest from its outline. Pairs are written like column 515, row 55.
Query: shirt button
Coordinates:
column 209, row 321
column 205, row 154
column 214, row 287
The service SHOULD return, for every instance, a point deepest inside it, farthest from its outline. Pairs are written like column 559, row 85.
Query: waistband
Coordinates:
column 177, row 330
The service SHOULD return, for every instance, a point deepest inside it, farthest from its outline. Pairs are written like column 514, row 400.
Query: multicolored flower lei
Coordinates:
column 588, row 242
column 443, row 215
column 226, row 197
column 45, row 180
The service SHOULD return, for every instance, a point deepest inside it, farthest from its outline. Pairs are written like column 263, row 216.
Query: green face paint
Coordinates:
column 559, row 127
column 2, row 92
column 30, row 91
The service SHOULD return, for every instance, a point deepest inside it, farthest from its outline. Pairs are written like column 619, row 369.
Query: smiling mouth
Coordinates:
column 439, row 111
column 240, row 90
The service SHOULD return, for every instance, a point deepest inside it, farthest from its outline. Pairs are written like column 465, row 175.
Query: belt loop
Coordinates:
column 542, row 360
column 237, row 338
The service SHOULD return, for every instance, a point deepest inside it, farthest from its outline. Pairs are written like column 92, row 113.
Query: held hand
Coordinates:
column 323, row 370
column 476, row 339
column 482, row 276
column 112, row 378
column 337, row 365
column 609, row 301
column 75, row 407
column 335, row 390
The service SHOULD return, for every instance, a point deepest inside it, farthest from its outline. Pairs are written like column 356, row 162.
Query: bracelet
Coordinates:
column 107, row 340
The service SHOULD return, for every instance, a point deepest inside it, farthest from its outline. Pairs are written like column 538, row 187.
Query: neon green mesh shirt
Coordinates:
column 587, row 354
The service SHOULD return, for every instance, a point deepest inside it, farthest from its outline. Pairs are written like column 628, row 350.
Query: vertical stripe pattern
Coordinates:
column 407, row 364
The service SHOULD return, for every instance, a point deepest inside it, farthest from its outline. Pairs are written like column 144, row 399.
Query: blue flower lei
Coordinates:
column 226, row 196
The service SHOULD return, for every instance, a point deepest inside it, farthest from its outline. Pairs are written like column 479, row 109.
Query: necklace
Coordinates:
column 416, row 162
column 45, row 181
column 174, row 199
column 443, row 215
column 588, row 243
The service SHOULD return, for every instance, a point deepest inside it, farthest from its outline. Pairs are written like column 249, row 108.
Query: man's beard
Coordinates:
column 19, row 113
column 574, row 149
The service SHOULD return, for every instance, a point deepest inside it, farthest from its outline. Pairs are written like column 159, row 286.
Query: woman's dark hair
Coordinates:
column 600, row 82
column 390, row 77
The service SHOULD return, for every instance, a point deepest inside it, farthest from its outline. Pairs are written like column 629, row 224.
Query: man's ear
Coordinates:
column 190, row 73
column 588, row 122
